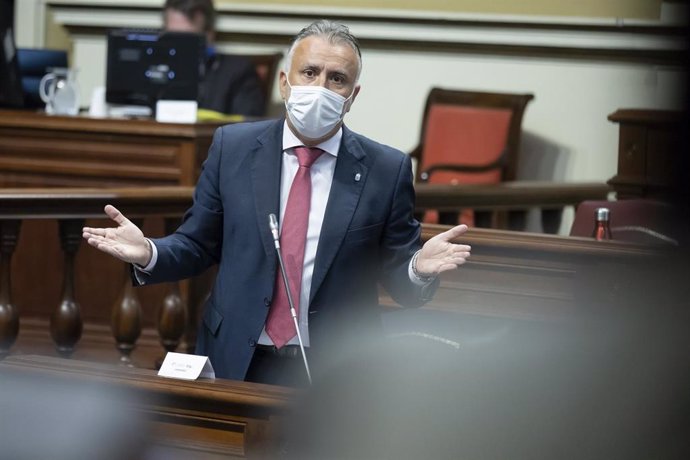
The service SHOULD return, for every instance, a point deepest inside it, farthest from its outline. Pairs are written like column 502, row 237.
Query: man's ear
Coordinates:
column 352, row 100
column 282, row 83
column 356, row 92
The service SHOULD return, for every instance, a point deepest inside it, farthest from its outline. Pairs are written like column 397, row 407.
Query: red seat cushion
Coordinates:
column 465, row 135
column 468, row 136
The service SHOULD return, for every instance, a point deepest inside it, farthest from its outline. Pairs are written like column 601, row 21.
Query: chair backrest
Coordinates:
column 634, row 220
column 267, row 68
column 470, row 136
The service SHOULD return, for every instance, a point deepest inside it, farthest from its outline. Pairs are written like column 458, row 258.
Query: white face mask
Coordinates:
column 314, row 111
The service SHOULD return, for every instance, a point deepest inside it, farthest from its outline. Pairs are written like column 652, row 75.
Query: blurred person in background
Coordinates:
column 230, row 84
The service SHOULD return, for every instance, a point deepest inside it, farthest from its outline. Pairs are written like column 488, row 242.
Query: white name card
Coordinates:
column 186, row 367
column 176, row 111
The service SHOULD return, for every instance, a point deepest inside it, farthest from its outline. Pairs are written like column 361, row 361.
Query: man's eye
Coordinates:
column 309, row 73
column 338, row 78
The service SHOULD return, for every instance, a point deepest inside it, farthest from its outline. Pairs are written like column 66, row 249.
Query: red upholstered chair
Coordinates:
column 469, row 137
column 635, row 220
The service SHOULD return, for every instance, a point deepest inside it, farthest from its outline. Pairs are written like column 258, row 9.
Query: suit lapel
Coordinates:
column 266, row 166
column 349, row 178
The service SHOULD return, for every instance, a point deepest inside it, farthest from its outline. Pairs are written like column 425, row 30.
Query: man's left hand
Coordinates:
column 439, row 254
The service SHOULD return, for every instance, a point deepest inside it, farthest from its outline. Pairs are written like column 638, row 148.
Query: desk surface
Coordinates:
column 218, row 390
column 84, row 123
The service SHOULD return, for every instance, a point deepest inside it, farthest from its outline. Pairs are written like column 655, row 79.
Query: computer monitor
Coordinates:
column 144, row 67
column 10, row 84
column 34, row 63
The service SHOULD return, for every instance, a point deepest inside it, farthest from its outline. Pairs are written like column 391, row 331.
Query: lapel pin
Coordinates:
column 358, row 176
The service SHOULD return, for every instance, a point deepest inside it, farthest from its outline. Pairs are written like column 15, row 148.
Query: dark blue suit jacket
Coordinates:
column 368, row 236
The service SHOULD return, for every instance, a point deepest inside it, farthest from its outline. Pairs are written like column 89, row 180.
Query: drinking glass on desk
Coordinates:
column 60, row 91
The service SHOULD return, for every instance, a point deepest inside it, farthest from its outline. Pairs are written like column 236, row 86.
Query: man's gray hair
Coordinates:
column 334, row 32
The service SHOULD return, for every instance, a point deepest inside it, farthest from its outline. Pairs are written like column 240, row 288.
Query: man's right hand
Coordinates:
column 126, row 241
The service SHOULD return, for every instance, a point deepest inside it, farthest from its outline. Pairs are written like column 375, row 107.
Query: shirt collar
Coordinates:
column 330, row 145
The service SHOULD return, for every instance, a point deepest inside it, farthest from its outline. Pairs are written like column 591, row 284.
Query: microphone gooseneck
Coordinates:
column 273, row 224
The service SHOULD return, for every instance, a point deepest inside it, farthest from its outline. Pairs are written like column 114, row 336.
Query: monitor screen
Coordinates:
column 10, row 83
column 144, row 67
column 33, row 65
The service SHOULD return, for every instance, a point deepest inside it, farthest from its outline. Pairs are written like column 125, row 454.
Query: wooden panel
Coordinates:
column 529, row 276
column 663, row 150
column 38, row 150
column 632, row 152
column 499, row 288
column 198, row 433
column 652, row 155
column 91, row 157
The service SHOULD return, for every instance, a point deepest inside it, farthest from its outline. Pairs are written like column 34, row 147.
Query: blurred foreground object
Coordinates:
column 610, row 383
column 117, row 412
column 61, row 418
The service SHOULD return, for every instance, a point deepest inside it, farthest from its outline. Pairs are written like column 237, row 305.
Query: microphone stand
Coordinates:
column 273, row 223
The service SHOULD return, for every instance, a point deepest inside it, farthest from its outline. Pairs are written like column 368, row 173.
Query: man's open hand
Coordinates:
column 126, row 241
column 439, row 254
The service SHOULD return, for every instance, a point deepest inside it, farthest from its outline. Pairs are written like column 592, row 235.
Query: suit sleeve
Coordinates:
column 400, row 241
column 197, row 243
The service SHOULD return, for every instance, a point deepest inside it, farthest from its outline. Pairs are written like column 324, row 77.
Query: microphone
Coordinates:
column 273, row 224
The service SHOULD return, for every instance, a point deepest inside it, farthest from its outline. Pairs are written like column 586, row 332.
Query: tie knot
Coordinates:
column 306, row 156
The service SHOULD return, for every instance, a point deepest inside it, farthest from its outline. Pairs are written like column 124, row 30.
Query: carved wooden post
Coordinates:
column 126, row 317
column 9, row 317
column 65, row 322
column 172, row 315
column 172, row 319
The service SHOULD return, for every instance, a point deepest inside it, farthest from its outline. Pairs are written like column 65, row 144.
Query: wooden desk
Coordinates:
column 38, row 150
column 521, row 275
column 202, row 419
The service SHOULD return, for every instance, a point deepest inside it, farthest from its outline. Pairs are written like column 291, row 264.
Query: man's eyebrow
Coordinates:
column 311, row 66
column 339, row 73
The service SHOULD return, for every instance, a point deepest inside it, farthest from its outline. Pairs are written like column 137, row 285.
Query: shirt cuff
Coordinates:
column 416, row 279
column 152, row 263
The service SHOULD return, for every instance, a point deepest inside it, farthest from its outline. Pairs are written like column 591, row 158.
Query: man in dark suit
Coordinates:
column 346, row 208
column 230, row 84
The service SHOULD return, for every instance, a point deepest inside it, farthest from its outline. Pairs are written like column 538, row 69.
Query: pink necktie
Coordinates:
column 293, row 238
